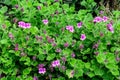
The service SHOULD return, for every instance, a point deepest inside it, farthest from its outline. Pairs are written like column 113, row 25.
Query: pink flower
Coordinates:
column 58, row 50
column 11, row 35
column 70, row 28
column 38, row 7
column 35, row 78
column 23, row 24
column 83, row 37
column 66, row 44
column 105, row 18
column 95, row 46
column 16, row 6
column 42, row 70
column 41, row 65
column 79, row 25
column 45, row 21
column 55, row 63
column 73, row 55
column 110, row 27
column 97, row 19
column 16, row 47
column 101, row 12
column 27, row 25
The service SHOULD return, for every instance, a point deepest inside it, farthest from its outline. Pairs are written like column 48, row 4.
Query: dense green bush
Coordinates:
column 48, row 39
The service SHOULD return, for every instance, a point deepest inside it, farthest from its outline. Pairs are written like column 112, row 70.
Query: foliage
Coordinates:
column 59, row 43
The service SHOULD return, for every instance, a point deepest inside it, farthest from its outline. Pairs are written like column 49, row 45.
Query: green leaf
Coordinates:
column 51, row 56
column 79, row 64
column 115, row 72
column 27, row 71
column 110, row 58
column 7, row 23
column 83, row 3
column 65, row 6
column 91, row 74
column 87, row 65
column 72, row 62
column 3, row 9
column 98, row 71
column 34, row 30
column 78, row 72
column 111, row 66
column 101, row 57
column 61, row 78
column 68, row 73
column 3, row 78
column 29, row 78
column 4, row 41
column 11, row 51
column 41, row 57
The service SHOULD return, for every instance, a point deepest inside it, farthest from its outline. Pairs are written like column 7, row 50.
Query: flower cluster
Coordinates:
column 100, row 19
column 41, row 68
column 70, row 28
column 79, row 25
column 83, row 37
column 110, row 27
column 24, row 25
column 45, row 21
column 56, row 63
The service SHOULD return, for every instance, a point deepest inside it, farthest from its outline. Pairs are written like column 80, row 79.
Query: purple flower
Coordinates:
column 41, row 65
column 11, row 35
column 101, row 12
column 42, row 70
column 35, row 78
column 23, row 24
column 117, row 59
column 58, row 50
column 101, row 34
column 110, row 27
column 73, row 55
column 79, row 25
column 83, row 37
column 95, row 46
column 96, row 53
column 15, row 20
column 56, row 63
column 27, row 25
column 81, row 46
column 45, row 21
column 16, row 47
column 70, row 28
column 38, row 7
column 97, row 19
column 63, row 59
column 16, row 6
column 105, row 18
column 72, row 73
column 54, row 44
column 63, row 68
column 34, row 57
column 66, row 44
column 56, row 12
